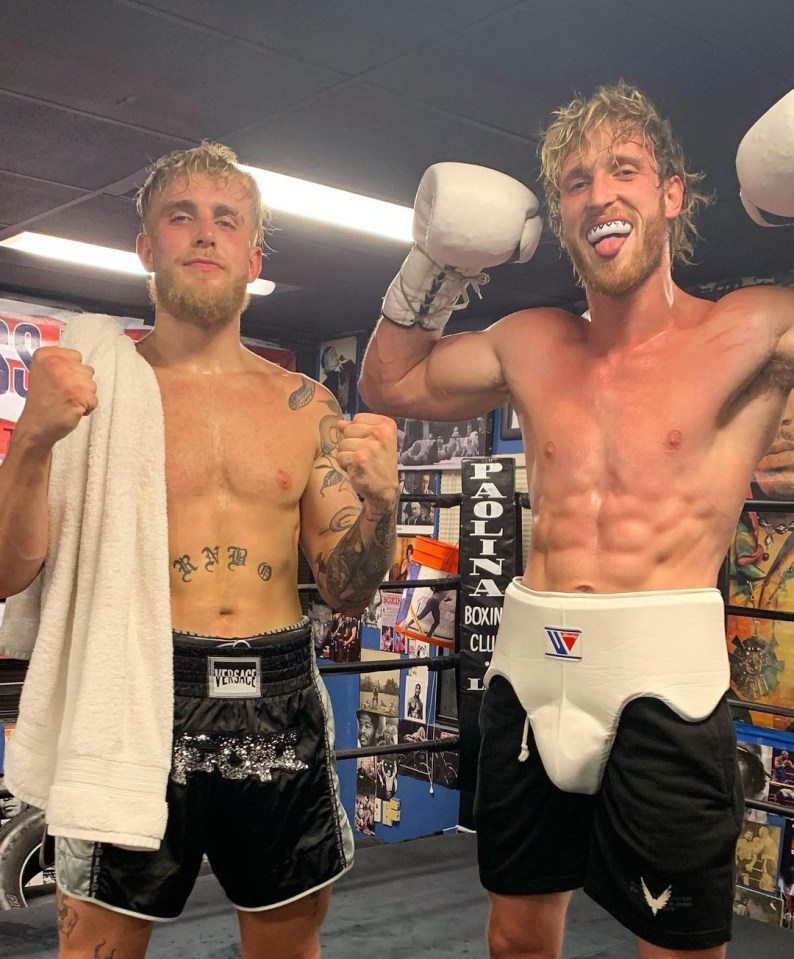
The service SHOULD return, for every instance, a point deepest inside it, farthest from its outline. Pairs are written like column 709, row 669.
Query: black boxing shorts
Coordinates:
column 253, row 786
column 654, row 846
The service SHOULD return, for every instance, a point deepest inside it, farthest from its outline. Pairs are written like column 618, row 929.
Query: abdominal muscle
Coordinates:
column 622, row 544
column 245, row 580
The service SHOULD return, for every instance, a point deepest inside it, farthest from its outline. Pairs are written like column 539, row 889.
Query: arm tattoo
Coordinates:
column 303, row 395
column 344, row 519
column 329, row 435
column 354, row 569
column 333, row 477
column 333, row 404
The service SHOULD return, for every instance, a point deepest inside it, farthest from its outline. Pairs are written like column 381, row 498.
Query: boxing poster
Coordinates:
column 487, row 564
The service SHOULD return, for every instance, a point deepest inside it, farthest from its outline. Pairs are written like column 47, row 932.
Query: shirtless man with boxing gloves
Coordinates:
column 609, row 763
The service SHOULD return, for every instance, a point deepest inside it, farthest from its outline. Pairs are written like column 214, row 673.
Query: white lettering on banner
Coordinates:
column 486, row 566
column 489, row 509
column 486, row 587
column 481, row 644
column 487, row 491
column 481, row 565
column 484, row 470
column 479, row 529
column 482, row 615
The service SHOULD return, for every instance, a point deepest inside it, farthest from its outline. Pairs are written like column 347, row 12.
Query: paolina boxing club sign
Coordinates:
column 487, row 564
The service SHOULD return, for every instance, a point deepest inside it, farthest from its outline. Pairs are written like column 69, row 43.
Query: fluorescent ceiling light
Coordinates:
column 339, row 207
column 285, row 193
column 101, row 257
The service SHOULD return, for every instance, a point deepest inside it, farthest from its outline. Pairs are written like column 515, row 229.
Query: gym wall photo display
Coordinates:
column 338, row 371
column 509, row 427
column 424, row 443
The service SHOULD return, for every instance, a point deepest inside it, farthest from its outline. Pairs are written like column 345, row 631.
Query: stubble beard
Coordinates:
column 614, row 278
column 207, row 309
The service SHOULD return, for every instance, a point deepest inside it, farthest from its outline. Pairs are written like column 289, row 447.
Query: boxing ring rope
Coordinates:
column 434, row 663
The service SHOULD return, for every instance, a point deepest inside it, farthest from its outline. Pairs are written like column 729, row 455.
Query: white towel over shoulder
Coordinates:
column 92, row 745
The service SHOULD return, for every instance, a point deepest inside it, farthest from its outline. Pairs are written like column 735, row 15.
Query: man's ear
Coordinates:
column 673, row 196
column 144, row 250
column 254, row 263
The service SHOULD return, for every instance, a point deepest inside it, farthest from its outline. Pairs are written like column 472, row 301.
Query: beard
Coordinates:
column 613, row 277
column 206, row 309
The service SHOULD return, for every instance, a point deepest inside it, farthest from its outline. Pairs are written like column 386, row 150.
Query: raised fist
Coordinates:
column 61, row 391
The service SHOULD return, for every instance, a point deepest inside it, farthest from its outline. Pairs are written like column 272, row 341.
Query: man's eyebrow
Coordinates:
column 223, row 209
column 577, row 170
column 187, row 205
column 632, row 158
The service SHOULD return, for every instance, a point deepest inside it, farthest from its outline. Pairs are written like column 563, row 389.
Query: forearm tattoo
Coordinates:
column 355, row 568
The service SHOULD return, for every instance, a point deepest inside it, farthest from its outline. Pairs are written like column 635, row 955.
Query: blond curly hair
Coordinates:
column 628, row 112
column 211, row 159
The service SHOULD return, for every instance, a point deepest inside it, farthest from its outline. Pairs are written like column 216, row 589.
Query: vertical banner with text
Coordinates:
column 487, row 564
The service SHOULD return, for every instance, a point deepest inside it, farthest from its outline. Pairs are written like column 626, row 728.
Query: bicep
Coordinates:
column 460, row 378
column 329, row 507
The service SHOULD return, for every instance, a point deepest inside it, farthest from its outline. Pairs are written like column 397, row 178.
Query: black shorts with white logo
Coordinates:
column 253, row 786
column 654, row 847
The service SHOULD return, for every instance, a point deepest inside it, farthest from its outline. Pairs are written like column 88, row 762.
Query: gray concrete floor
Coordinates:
column 419, row 900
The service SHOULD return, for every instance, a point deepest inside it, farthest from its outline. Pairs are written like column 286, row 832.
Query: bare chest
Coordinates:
column 231, row 442
column 642, row 420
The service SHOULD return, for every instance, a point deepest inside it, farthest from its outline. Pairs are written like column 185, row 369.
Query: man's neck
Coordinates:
column 632, row 319
column 182, row 347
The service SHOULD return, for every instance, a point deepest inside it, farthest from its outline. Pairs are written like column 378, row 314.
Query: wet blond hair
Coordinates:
column 210, row 159
column 628, row 112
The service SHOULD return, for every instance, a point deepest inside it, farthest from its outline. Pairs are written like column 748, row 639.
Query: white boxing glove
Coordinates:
column 466, row 218
column 765, row 166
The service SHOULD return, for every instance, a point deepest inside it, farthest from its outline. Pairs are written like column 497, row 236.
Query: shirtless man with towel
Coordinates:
column 257, row 461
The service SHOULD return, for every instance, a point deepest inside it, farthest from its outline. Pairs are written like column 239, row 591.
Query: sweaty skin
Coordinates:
column 258, row 461
column 641, row 427
column 240, row 457
column 653, row 445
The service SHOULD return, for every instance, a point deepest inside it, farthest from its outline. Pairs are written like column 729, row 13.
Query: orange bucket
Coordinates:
column 435, row 554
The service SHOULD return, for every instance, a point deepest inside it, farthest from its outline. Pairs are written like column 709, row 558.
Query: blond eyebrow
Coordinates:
column 188, row 206
column 634, row 159
column 575, row 171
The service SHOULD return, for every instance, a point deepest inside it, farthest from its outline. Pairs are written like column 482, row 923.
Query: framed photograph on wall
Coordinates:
column 338, row 370
column 424, row 443
column 415, row 517
column 509, row 427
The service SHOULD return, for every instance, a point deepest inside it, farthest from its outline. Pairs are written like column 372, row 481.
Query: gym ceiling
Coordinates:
column 361, row 95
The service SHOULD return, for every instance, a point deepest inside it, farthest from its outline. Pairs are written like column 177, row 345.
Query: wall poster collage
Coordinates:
column 761, row 655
